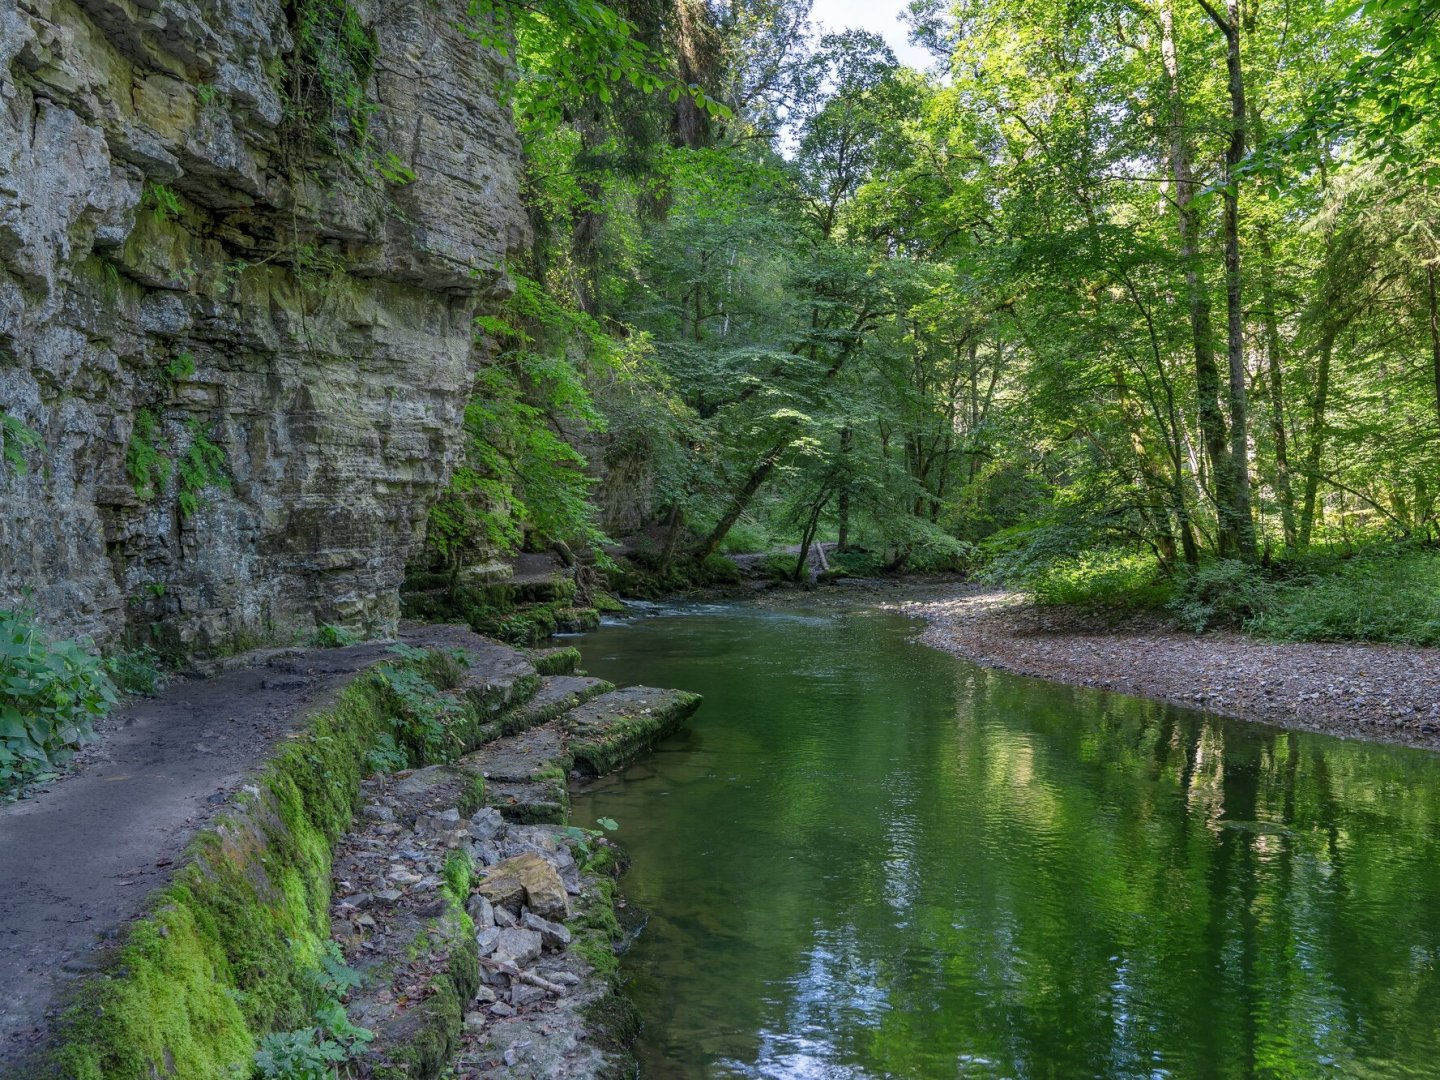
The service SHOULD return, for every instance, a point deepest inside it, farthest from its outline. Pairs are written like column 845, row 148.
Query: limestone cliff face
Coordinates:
column 183, row 264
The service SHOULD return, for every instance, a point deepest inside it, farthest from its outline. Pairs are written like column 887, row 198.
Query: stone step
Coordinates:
column 557, row 694
column 530, row 755
column 524, row 776
column 531, row 802
column 604, row 733
column 498, row 678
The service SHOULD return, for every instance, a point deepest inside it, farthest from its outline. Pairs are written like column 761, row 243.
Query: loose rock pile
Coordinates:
column 501, row 962
column 485, row 933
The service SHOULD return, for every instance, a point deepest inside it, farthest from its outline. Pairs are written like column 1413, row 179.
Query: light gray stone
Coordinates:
column 519, row 947
column 555, row 935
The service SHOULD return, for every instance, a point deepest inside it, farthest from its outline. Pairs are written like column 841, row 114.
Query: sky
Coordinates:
column 880, row 16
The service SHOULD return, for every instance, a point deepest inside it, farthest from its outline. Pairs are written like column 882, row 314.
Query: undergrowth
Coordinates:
column 1380, row 594
column 50, row 695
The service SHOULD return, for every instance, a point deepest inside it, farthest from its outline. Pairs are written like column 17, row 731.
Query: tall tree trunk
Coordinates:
column 1242, row 521
column 1316, row 443
column 847, row 439
column 1276, row 383
column 1434, row 333
column 672, row 537
column 1207, row 374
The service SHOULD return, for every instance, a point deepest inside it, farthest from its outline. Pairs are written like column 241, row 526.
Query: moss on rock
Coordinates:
column 227, row 951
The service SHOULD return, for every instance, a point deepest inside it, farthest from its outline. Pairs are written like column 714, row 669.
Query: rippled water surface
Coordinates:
column 868, row 859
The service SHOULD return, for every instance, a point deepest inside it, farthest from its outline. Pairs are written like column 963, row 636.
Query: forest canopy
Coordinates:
column 1115, row 290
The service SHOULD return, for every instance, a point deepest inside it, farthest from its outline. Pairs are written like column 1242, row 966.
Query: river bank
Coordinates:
column 1386, row 693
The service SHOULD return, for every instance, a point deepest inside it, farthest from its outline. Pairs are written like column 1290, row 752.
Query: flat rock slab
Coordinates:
column 557, row 694
column 541, row 802
column 611, row 729
column 78, row 859
column 498, row 678
column 531, row 755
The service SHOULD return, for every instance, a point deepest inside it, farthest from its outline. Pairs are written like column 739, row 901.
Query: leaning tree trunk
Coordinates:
column 738, row 505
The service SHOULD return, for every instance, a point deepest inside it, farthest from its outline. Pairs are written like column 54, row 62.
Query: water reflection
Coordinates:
column 867, row 859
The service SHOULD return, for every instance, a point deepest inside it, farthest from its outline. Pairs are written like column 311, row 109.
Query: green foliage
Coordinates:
column 137, row 671
column 335, row 57
column 181, row 367
column 575, row 51
column 521, row 472
column 50, row 695
column 16, row 440
column 202, row 466
column 1226, row 593
column 423, row 720
column 315, row 1052
column 330, row 636
column 162, row 201
column 145, row 461
column 1376, row 596
column 386, row 756
column 1114, row 581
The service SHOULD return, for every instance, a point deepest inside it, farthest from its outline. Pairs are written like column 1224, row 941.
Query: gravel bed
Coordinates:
column 1387, row 693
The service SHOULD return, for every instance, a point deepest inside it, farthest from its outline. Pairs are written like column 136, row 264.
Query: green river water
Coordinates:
column 866, row 858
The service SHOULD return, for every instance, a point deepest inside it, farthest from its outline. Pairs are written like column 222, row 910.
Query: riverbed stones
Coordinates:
column 438, row 824
column 481, row 911
column 486, row 824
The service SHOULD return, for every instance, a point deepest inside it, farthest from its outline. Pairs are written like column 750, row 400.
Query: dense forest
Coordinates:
column 1131, row 302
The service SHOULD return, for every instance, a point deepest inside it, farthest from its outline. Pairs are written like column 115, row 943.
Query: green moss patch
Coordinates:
column 230, row 946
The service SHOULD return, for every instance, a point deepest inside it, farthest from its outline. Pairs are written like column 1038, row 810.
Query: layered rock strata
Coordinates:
column 241, row 248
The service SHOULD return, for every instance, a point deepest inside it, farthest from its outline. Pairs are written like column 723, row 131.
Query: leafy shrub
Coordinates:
column 1375, row 597
column 315, row 1052
column 201, row 466
column 1114, row 580
column 386, row 756
column 424, row 717
column 330, row 636
column 145, row 460
column 1226, row 593
column 50, row 695
column 16, row 440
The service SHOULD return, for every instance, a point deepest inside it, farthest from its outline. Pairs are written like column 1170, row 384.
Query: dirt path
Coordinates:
column 1389, row 693
column 78, row 860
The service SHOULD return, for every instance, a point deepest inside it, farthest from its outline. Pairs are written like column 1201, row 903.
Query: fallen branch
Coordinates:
column 507, row 968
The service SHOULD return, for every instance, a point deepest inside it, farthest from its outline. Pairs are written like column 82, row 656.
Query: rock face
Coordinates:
column 242, row 244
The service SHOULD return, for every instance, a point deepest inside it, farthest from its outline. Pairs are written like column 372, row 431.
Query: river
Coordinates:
column 865, row 858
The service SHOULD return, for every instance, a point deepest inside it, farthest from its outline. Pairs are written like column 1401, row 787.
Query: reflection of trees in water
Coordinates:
column 921, row 868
